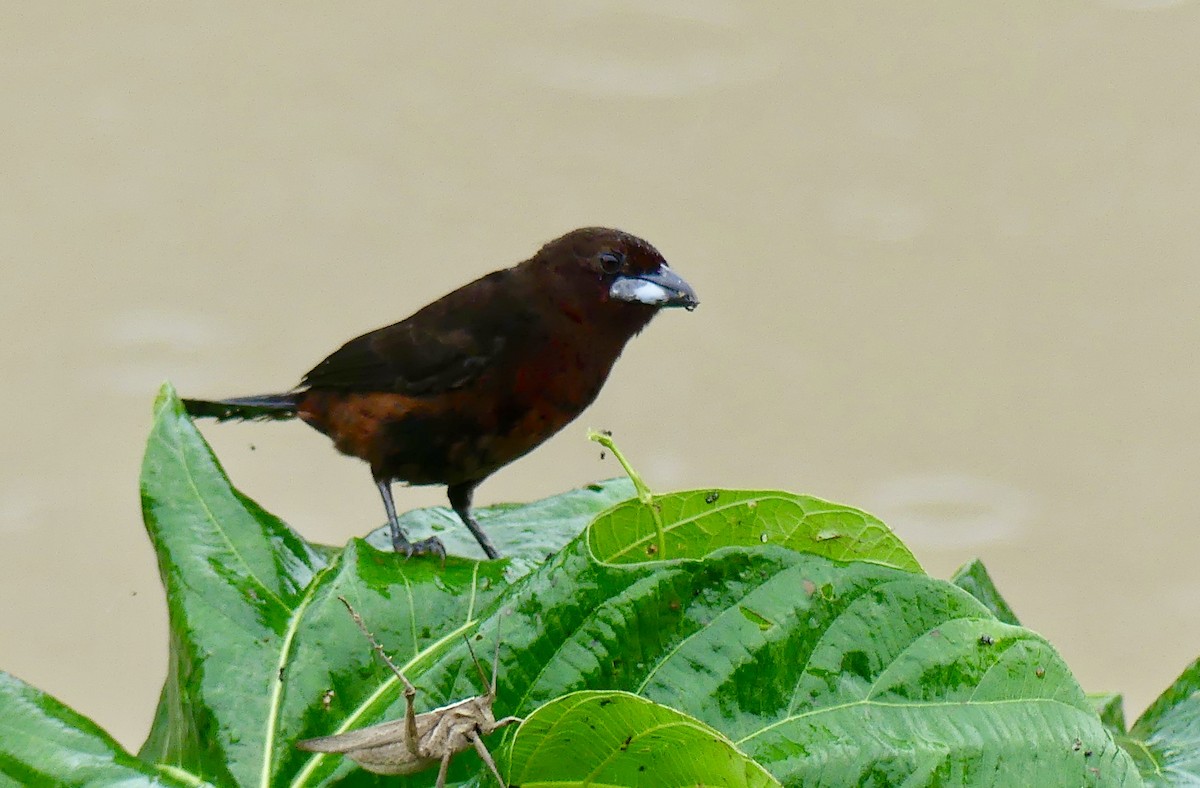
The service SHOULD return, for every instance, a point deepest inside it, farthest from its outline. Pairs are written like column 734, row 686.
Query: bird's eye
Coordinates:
column 611, row 262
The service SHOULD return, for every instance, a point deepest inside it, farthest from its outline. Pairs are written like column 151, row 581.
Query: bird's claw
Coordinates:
column 431, row 546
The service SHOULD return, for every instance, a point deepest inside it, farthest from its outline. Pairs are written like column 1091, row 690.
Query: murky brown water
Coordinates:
column 948, row 263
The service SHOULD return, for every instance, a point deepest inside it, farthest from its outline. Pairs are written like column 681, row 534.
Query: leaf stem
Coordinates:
column 643, row 490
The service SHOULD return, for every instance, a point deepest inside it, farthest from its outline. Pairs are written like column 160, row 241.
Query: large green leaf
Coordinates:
column 617, row 739
column 825, row 673
column 42, row 742
column 694, row 523
column 1165, row 741
column 234, row 577
column 259, row 654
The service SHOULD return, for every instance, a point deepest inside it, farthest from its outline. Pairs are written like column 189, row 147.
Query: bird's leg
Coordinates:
column 400, row 543
column 460, row 499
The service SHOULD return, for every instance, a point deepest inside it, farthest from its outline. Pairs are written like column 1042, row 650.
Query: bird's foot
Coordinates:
column 430, row 546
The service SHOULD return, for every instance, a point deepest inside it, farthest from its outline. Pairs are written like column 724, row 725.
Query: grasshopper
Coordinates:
column 418, row 741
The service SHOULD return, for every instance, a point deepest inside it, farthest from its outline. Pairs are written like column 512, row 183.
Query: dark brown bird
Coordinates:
column 484, row 374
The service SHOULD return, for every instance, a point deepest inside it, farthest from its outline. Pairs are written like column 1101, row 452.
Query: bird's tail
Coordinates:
column 262, row 407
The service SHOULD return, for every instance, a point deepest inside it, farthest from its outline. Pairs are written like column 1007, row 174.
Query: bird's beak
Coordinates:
column 663, row 287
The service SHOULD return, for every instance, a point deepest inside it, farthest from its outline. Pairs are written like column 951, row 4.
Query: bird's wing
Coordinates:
column 443, row 346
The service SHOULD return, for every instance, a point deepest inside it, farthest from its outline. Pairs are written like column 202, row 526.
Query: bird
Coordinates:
column 481, row 376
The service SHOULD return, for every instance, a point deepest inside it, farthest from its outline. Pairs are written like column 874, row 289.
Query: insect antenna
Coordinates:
column 482, row 676
column 375, row 644
column 490, row 684
column 496, row 659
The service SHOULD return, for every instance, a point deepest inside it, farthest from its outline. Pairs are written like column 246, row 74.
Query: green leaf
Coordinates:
column 859, row 671
column 618, row 739
column 1165, row 741
column 43, row 742
column 697, row 522
column 973, row 577
column 234, row 575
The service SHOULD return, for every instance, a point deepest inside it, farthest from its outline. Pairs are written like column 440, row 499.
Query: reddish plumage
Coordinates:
column 484, row 374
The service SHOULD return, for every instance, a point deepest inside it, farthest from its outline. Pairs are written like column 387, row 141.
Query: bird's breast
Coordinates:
column 465, row 433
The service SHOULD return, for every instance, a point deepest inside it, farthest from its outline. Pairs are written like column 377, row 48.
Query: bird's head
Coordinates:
column 603, row 272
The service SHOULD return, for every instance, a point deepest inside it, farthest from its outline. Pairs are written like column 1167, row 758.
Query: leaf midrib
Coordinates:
column 199, row 497
column 277, row 683
column 299, row 781
column 865, row 702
